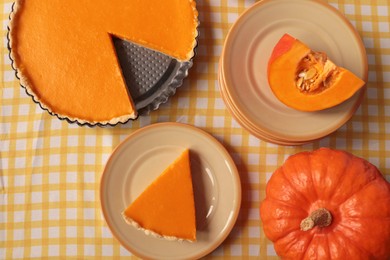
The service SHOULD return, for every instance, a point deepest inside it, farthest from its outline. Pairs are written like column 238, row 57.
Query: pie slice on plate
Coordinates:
column 166, row 207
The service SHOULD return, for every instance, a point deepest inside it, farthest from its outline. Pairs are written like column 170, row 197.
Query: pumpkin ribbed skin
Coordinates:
column 350, row 188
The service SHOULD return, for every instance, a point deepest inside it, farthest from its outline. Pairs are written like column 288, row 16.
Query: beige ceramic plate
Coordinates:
column 139, row 159
column 244, row 67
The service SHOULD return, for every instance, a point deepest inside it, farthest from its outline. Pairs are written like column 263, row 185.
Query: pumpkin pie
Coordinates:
column 65, row 58
column 166, row 207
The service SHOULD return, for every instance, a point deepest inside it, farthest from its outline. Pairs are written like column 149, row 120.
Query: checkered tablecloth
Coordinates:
column 50, row 170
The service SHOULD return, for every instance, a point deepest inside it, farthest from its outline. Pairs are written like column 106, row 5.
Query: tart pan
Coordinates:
column 153, row 77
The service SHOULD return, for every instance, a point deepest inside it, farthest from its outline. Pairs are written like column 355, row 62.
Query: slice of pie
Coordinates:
column 64, row 54
column 166, row 207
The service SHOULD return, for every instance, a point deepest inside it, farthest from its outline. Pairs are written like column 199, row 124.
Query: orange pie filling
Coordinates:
column 65, row 57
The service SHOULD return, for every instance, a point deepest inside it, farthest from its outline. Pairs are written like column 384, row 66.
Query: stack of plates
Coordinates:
column 243, row 68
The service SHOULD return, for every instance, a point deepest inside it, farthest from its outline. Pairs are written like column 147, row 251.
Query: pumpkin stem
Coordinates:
column 320, row 218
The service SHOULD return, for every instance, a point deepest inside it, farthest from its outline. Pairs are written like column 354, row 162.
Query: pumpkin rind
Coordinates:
column 331, row 86
column 284, row 45
column 352, row 189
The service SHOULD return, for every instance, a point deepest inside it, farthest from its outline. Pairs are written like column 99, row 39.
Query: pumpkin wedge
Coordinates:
column 307, row 80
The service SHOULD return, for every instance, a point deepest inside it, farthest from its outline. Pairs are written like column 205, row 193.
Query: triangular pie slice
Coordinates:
column 166, row 208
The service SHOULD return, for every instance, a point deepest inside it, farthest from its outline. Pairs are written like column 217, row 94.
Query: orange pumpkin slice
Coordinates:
column 65, row 57
column 166, row 207
column 307, row 80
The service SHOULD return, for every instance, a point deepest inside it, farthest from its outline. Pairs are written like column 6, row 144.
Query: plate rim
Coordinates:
column 254, row 128
column 231, row 222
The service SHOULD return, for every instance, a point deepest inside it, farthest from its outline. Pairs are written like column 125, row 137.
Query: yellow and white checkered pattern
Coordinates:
column 50, row 170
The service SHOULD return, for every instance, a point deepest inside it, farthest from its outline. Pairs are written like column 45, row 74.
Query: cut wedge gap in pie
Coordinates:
column 143, row 69
column 65, row 57
column 166, row 208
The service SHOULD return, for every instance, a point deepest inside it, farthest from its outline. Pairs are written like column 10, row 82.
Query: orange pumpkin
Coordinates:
column 307, row 80
column 327, row 204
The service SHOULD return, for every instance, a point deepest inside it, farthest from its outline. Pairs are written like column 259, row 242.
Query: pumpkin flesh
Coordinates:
column 350, row 188
column 307, row 80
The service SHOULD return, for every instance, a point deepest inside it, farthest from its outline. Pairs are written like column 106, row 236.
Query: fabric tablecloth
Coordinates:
column 50, row 170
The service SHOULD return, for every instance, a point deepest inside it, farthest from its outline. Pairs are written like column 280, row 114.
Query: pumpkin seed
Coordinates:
column 310, row 73
column 299, row 82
